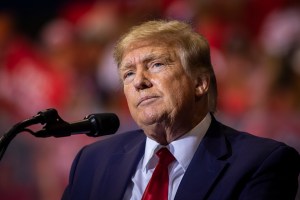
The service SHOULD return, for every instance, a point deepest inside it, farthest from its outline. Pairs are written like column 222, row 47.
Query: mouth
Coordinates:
column 146, row 100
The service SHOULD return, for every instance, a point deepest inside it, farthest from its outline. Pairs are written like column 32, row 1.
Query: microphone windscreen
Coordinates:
column 104, row 123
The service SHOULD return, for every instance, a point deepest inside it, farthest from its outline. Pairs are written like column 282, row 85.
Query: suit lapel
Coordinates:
column 206, row 166
column 122, row 165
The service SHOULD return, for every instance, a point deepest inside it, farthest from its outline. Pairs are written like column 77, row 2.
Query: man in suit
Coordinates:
column 171, row 91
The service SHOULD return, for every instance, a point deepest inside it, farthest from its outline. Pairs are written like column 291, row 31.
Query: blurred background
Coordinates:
column 58, row 54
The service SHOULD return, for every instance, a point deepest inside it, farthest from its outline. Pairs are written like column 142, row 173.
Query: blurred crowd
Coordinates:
column 68, row 65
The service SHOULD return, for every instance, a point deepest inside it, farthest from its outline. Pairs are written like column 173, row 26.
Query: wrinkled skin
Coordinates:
column 162, row 97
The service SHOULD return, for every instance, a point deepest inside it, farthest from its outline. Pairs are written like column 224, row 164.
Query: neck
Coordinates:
column 166, row 132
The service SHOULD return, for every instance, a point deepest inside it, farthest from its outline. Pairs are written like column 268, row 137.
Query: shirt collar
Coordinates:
column 183, row 148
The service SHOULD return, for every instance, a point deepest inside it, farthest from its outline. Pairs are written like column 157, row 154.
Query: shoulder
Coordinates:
column 242, row 140
column 252, row 144
column 117, row 141
column 250, row 149
column 99, row 153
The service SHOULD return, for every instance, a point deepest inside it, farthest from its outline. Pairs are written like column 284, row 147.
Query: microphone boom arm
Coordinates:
column 16, row 129
column 93, row 125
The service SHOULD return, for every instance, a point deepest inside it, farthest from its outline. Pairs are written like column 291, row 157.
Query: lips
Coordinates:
column 146, row 99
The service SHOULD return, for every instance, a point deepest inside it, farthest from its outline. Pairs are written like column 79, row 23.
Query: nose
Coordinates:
column 141, row 80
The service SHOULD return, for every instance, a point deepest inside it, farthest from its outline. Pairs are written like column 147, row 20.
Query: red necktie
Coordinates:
column 157, row 188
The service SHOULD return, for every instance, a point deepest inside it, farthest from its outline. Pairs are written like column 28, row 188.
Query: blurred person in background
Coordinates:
column 27, row 84
column 171, row 91
column 220, row 22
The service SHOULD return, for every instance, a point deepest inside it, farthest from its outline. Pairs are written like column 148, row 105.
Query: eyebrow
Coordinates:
column 147, row 59
column 125, row 66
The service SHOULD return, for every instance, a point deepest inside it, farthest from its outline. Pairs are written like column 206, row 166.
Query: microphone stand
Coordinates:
column 42, row 117
column 92, row 126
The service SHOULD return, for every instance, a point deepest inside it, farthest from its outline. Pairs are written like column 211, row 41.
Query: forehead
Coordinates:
column 140, row 52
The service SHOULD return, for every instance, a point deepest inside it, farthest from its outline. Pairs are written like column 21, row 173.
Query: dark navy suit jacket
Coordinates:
column 227, row 165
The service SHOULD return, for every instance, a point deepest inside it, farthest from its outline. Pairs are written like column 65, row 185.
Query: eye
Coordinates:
column 127, row 76
column 157, row 64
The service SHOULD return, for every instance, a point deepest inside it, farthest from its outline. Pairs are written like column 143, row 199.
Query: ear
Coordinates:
column 202, row 81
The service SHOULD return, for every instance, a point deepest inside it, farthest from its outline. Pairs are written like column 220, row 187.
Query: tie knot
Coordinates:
column 165, row 156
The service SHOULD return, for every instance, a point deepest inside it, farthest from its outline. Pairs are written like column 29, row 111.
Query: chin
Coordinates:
column 147, row 122
column 151, row 120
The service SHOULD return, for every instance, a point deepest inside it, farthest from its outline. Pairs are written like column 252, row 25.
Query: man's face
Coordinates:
column 157, row 88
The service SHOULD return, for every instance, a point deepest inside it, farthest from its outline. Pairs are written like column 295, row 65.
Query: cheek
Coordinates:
column 129, row 95
column 132, row 98
column 181, row 94
column 176, row 99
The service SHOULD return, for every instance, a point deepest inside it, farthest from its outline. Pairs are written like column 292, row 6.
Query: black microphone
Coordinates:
column 93, row 125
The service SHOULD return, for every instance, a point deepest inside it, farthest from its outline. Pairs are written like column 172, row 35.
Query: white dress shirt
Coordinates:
column 183, row 150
